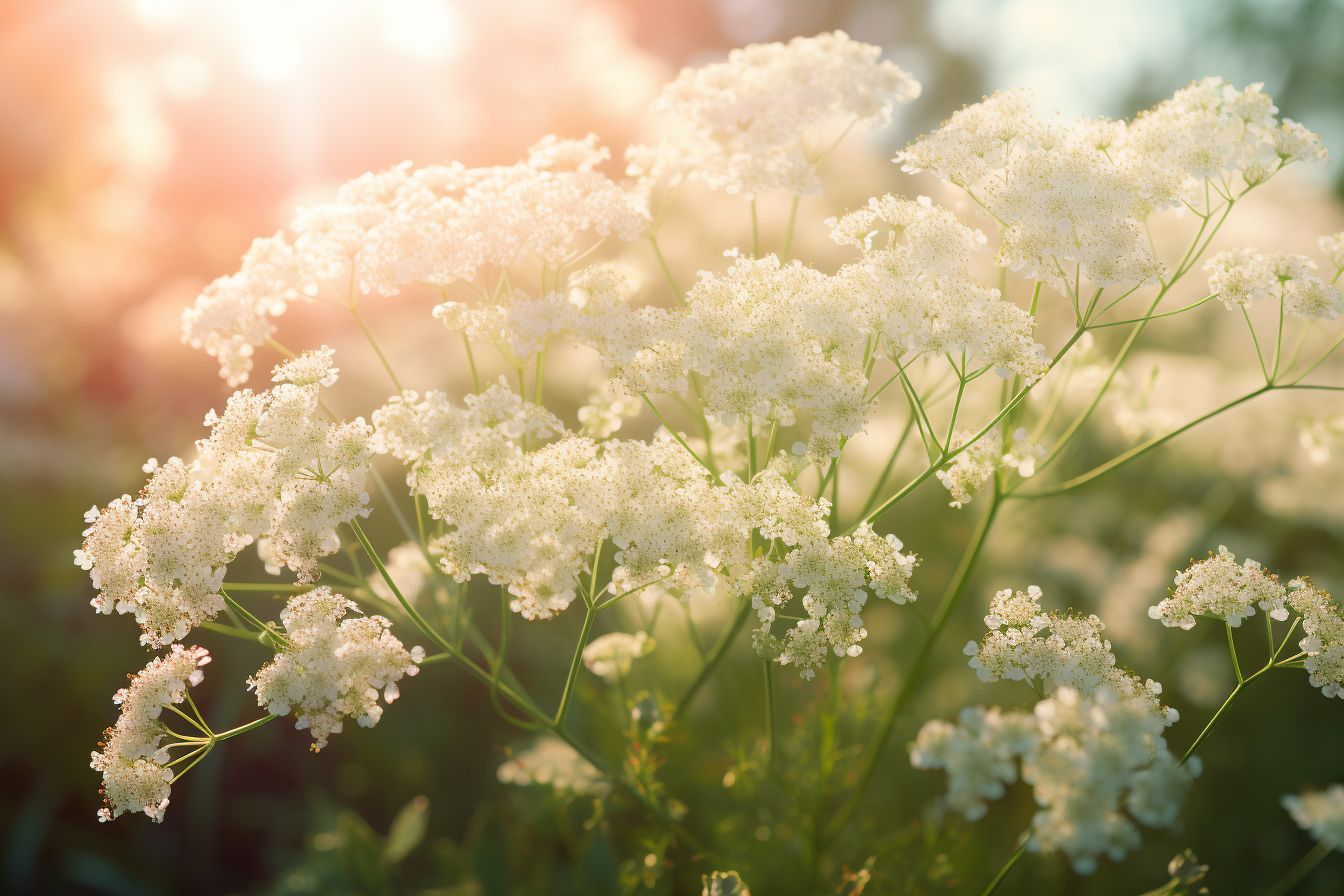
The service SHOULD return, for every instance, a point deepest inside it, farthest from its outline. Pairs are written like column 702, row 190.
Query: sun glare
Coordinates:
column 273, row 40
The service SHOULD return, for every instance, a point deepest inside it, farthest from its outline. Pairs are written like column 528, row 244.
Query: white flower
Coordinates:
column 550, row 762
column 1242, row 276
column 1321, row 812
column 1217, row 587
column 132, row 758
column 759, row 121
column 1096, row 764
column 1051, row 650
column 333, row 667
column 1323, row 625
column 273, row 470
column 610, row 656
column 407, row 566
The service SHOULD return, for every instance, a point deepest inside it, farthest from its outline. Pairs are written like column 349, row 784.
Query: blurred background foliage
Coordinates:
column 147, row 141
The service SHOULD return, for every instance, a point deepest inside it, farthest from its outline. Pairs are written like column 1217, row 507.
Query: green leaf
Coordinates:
column 407, row 830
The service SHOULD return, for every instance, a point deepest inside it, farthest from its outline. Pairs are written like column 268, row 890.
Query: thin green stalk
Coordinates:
column 755, row 232
column 667, row 271
column 1139, row 320
column 1299, row 872
column 1007, row 867
column 788, row 233
column 676, row 435
column 368, row 334
column 222, row 629
column 471, row 363
column 243, row 729
column 716, row 655
column 411, row 611
column 1007, row 409
column 769, row 716
column 575, row 662
column 942, row 615
column 268, row 587
column 1140, row 450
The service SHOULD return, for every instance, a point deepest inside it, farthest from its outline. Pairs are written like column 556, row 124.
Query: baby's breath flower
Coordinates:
column 550, row 762
column 1217, row 587
column 1050, row 650
column 1320, row 437
column 1242, row 276
column 608, row 406
column 914, row 289
column 1321, row 812
column 759, row 121
column 973, row 467
column 610, row 656
column 1332, row 246
column 407, row 566
column 1097, row 765
column 272, row 470
column 438, row 225
column 333, row 668
column 132, row 758
column 1323, row 625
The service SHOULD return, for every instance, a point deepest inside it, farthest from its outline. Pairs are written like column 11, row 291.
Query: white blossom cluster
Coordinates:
column 1097, row 764
column 978, row 463
column 1051, row 650
column 273, row 470
column 1323, row 625
column 610, row 656
column 529, row 518
column 1218, row 588
column 408, row 568
column 1242, row 276
column 132, row 758
column 437, row 225
column 1321, row 812
column 758, row 121
column 1072, row 196
column 550, row 762
column 332, row 668
column 1321, row 437
column 835, row 576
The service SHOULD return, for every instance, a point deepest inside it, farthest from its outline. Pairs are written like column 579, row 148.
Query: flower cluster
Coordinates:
column 332, row 668
column 980, row 460
column 1072, row 196
column 1242, row 276
column 1097, row 765
column 550, row 762
column 914, row 289
column 273, row 470
column 1218, row 588
column 757, row 122
column 1323, row 625
column 1053, row 650
column 1321, row 812
column 835, row 576
column 132, row 758
column 438, row 225
column 610, row 656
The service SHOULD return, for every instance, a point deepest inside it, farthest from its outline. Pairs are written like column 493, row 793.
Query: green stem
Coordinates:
column 368, row 334
column 1140, row 450
column 788, row 233
column 243, row 729
column 414, row 614
column 575, row 662
column 755, row 232
column 1298, row 872
column 942, row 615
column 667, row 271
column 716, row 655
column 1007, row 867
column 676, row 435
column 769, row 716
